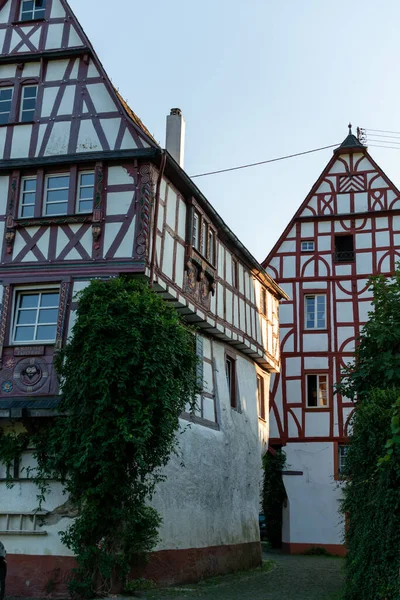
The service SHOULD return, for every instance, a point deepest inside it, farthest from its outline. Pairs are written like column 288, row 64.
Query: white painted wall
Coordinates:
column 312, row 515
column 214, row 498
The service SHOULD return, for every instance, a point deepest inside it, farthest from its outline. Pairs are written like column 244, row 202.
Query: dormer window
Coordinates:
column 32, row 10
column 203, row 237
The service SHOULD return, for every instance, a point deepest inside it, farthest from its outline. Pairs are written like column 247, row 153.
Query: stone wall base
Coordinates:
column 293, row 548
column 47, row 576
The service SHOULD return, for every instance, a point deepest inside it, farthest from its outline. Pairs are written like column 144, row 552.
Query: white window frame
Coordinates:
column 196, row 230
column 22, row 110
column 46, row 190
column 21, row 199
column 2, row 89
column 35, row 8
column 305, row 246
column 79, row 187
column 318, row 376
column 25, row 291
column 315, row 327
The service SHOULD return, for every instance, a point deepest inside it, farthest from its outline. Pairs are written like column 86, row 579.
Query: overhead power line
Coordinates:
column 264, row 162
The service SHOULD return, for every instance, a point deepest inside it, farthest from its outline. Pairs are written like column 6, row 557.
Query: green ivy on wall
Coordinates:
column 127, row 373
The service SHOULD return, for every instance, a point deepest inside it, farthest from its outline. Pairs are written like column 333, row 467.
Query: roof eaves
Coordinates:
column 133, row 116
column 255, row 266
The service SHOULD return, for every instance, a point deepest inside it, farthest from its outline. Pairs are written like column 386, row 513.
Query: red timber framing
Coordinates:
column 353, row 197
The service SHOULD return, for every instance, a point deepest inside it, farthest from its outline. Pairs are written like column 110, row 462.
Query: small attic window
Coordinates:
column 32, row 10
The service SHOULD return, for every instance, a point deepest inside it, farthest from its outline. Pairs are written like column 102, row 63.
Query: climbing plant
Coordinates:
column 126, row 374
column 273, row 495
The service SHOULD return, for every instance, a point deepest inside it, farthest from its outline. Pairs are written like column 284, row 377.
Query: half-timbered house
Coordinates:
column 86, row 192
column 347, row 229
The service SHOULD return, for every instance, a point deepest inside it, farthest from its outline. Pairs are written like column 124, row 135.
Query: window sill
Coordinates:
column 28, row 344
column 325, row 330
column 54, row 220
column 14, row 123
column 28, row 22
column 199, row 421
column 197, row 256
column 318, row 408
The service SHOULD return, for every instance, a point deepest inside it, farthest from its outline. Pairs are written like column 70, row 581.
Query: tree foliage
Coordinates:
column 372, row 503
column 371, row 495
column 127, row 373
column 273, row 495
column 377, row 357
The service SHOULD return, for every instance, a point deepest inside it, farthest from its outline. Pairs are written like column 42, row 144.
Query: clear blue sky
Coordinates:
column 255, row 80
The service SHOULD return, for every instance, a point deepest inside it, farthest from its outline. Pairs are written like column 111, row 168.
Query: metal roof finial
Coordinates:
column 350, row 131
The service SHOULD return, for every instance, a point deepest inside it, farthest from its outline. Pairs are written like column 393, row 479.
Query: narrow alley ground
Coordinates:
column 291, row 578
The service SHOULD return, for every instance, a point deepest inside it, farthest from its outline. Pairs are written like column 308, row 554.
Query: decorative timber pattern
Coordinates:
column 77, row 109
column 355, row 204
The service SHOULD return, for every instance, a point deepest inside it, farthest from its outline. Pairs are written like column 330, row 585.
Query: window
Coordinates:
column 342, row 453
column 85, row 192
column 317, row 391
column 32, row 9
column 5, row 104
column 196, row 231
column 344, row 248
column 315, row 311
column 35, row 317
column 230, row 369
column 28, row 103
column 307, row 246
column 56, row 194
column 260, row 397
column 263, row 301
column 211, row 246
column 235, row 273
column 28, row 197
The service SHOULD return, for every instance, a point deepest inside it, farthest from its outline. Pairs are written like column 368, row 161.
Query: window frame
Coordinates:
column 317, row 374
column 337, row 472
column 78, row 189
column 2, row 89
column 45, row 190
column 23, row 290
column 21, row 195
column 303, row 250
column 203, row 236
column 263, row 300
column 231, row 382
column 235, row 272
column 261, row 401
column 35, row 8
column 315, row 295
column 22, row 98
column 352, row 253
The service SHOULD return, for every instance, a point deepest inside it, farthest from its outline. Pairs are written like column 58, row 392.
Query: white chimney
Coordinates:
column 175, row 143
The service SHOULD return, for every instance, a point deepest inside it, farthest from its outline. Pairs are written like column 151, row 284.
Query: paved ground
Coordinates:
column 290, row 578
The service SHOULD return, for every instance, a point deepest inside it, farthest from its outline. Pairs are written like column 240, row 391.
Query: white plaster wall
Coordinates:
column 214, row 498
column 312, row 515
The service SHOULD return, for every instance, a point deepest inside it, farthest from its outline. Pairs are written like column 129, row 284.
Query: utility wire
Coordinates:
column 264, row 162
column 379, row 130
